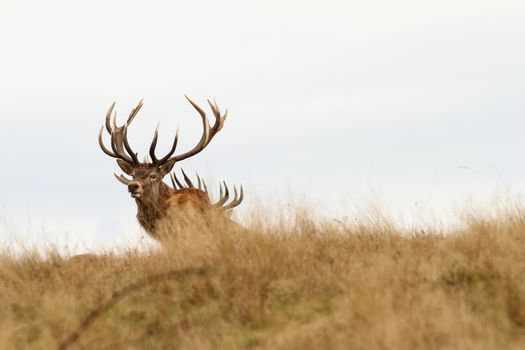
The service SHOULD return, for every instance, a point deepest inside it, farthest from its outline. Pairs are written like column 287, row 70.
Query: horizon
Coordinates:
column 415, row 106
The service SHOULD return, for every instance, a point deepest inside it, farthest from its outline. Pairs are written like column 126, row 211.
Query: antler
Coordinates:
column 224, row 192
column 201, row 185
column 207, row 135
column 121, row 149
column 119, row 137
column 226, row 195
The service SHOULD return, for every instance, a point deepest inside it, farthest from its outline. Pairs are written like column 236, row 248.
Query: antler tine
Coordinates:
column 226, row 192
column 109, row 124
column 117, row 146
column 122, row 179
column 205, row 138
column 199, row 181
column 117, row 151
column 134, row 156
column 187, row 179
column 119, row 141
column 109, row 114
column 134, row 111
column 101, row 144
column 154, row 145
column 241, row 197
column 205, row 188
column 173, row 184
column 174, row 178
column 235, row 194
column 223, row 196
column 236, row 201
column 219, row 119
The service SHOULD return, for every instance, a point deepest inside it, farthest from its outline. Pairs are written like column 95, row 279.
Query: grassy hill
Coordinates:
column 297, row 284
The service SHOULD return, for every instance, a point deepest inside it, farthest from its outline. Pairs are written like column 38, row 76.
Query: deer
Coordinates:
column 153, row 197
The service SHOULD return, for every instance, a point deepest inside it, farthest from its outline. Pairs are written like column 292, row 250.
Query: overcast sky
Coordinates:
column 417, row 103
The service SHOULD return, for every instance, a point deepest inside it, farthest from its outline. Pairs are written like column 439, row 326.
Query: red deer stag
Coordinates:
column 153, row 197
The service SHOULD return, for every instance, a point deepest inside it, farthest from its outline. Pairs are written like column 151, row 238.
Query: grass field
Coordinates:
column 299, row 283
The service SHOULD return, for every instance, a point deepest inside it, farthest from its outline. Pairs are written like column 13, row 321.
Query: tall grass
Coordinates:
column 296, row 283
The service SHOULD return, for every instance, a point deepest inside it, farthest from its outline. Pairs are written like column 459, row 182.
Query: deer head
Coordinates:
column 146, row 177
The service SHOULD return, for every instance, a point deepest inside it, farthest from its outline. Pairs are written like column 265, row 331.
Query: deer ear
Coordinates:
column 125, row 166
column 166, row 167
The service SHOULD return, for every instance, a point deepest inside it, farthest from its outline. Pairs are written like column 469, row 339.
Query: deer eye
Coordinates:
column 153, row 176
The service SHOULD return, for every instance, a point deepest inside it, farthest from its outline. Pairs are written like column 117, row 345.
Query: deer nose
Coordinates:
column 133, row 186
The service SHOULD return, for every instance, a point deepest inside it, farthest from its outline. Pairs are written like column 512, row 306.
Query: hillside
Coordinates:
column 299, row 284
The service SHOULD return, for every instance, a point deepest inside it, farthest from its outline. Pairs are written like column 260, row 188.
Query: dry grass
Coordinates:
column 299, row 284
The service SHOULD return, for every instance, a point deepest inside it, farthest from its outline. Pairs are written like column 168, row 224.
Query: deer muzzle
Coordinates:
column 135, row 189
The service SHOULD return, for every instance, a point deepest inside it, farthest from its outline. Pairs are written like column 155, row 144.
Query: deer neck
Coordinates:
column 150, row 210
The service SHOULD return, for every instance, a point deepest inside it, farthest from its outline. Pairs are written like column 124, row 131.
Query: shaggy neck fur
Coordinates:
column 150, row 210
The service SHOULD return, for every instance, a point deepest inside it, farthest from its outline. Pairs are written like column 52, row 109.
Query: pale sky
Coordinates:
column 414, row 103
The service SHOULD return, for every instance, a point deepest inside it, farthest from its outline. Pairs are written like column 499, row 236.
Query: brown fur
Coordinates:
column 190, row 196
column 151, row 210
